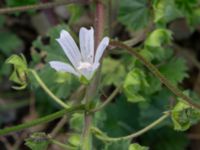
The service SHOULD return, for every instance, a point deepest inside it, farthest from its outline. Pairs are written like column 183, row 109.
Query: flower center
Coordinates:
column 84, row 65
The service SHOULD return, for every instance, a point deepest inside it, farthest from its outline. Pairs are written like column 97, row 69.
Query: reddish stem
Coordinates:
column 99, row 22
column 99, row 28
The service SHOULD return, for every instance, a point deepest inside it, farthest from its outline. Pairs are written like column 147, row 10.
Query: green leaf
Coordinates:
column 134, row 83
column 18, row 61
column 135, row 14
column 9, row 43
column 154, row 107
column 75, row 11
column 189, row 10
column 74, row 140
column 49, row 47
column 154, row 83
column 186, row 5
column 113, row 72
column 136, row 146
column 179, row 117
column 154, row 45
column 158, row 38
column 194, row 18
column 20, row 71
column 76, row 122
column 165, row 138
column 116, row 118
column 183, row 116
column 165, row 11
column 174, row 70
column 148, row 54
column 38, row 141
column 121, row 145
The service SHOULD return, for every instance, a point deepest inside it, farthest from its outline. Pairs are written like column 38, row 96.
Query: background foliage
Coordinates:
column 142, row 99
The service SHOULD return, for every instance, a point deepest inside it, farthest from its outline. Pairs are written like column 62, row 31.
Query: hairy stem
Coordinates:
column 102, row 136
column 39, row 6
column 86, row 135
column 46, row 89
column 42, row 120
column 156, row 72
column 99, row 28
column 99, row 22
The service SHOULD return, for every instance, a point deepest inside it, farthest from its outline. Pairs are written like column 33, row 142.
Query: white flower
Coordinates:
column 84, row 61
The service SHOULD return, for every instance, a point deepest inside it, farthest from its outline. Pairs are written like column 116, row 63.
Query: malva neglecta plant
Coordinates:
column 140, row 77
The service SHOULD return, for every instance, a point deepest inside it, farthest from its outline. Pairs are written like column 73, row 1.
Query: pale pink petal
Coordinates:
column 102, row 46
column 70, row 48
column 89, row 72
column 86, row 39
column 95, row 66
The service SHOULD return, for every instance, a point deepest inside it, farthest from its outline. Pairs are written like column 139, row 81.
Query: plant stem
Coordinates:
column 58, row 126
column 99, row 28
column 39, row 6
column 46, row 89
column 102, row 136
column 157, row 73
column 86, row 136
column 64, row 146
column 99, row 22
column 107, row 101
column 42, row 120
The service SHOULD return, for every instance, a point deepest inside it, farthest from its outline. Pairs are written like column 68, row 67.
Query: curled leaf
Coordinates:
column 183, row 116
column 134, row 83
column 19, row 74
column 159, row 37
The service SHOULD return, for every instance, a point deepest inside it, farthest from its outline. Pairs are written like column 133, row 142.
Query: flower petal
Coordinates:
column 102, row 46
column 63, row 67
column 89, row 72
column 70, row 48
column 86, row 39
column 95, row 66
column 86, row 73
